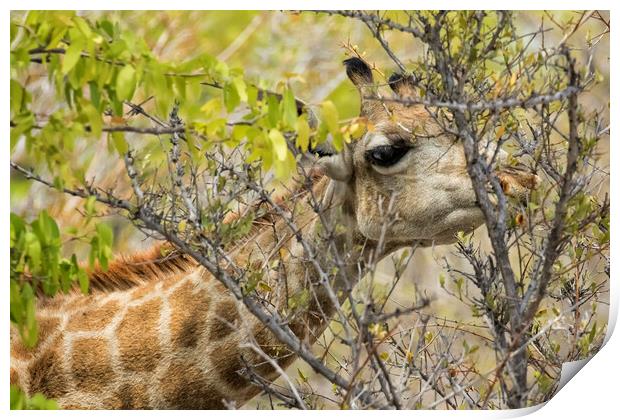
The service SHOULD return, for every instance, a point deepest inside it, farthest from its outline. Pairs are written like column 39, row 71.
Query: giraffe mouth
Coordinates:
column 517, row 181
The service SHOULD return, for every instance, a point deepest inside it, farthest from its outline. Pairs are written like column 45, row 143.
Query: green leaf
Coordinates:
column 72, row 54
column 231, row 97
column 94, row 251
column 105, row 233
column 592, row 333
column 118, row 139
column 303, row 377
column 303, row 134
column 252, row 92
column 83, row 280
column 126, row 83
column 20, row 401
column 273, row 110
column 329, row 114
column 30, row 333
column 16, row 306
column 17, row 93
column 48, row 228
column 82, row 25
column 33, row 251
column 89, row 206
column 289, row 109
column 278, row 143
column 94, row 119
column 95, row 94
column 240, row 88
column 284, row 169
column 14, row 30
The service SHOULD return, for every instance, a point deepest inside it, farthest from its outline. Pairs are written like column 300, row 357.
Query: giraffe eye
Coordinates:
column 386, row 155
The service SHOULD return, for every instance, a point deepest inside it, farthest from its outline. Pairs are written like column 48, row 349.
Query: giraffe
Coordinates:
column 158, row 331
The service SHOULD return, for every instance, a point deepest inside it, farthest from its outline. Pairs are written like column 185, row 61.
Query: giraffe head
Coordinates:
column 406, row 162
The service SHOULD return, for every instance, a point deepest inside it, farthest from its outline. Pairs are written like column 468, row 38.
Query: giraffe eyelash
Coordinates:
column 386, row 155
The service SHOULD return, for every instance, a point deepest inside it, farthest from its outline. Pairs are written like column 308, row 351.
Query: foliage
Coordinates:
column 38, row 265
column 196, row 138
column 19, row 401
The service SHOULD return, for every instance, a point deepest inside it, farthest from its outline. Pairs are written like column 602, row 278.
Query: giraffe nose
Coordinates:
column 517, row 181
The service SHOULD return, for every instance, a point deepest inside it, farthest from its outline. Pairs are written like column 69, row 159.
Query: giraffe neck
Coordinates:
column 182, row 340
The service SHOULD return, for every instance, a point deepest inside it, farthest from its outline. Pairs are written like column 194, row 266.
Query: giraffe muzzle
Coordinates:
column 517, row 182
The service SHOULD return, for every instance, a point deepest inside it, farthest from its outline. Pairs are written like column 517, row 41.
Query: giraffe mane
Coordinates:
column 127, row 271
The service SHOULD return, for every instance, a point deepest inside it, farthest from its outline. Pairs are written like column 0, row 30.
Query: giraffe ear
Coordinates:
column 403, row 85
column 359, row 72
column 338, row 166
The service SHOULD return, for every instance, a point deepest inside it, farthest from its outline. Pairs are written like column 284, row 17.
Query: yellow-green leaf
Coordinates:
column 264, row 287
column 126, row 83
column 72, row 54
column 278, row 143
column 94, row 119
column 330, row 117
column 120, row 144
column 303, row 134
column 82, row 25
column 231, row 97
column 289, row 108
column 241, row 89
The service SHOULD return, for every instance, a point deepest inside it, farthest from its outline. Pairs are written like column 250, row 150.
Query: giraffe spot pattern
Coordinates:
column 93, row 319
column 138, row 339
column 223, row 320
column 130, row 396
column 91, row 364
column 186, row 387
column 273, row 348
column 14, row 376
column 47, row 326
column 226, row 360
column 46, row 375
column 189, row 306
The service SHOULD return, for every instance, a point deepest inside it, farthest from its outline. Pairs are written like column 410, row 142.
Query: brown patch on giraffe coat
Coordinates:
column 269, row 344
column 299, row 326
column 93, row 319
column 225, row 360
column 138, row 339
column 46, row 374
column 186, row 387
column 273, row 348
column 91, row 364
column 189, row 306
column 47, row 326
column 129, row 396
column 223, row 319
column 14, row 376
column 319, row 309
column 220, row 288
